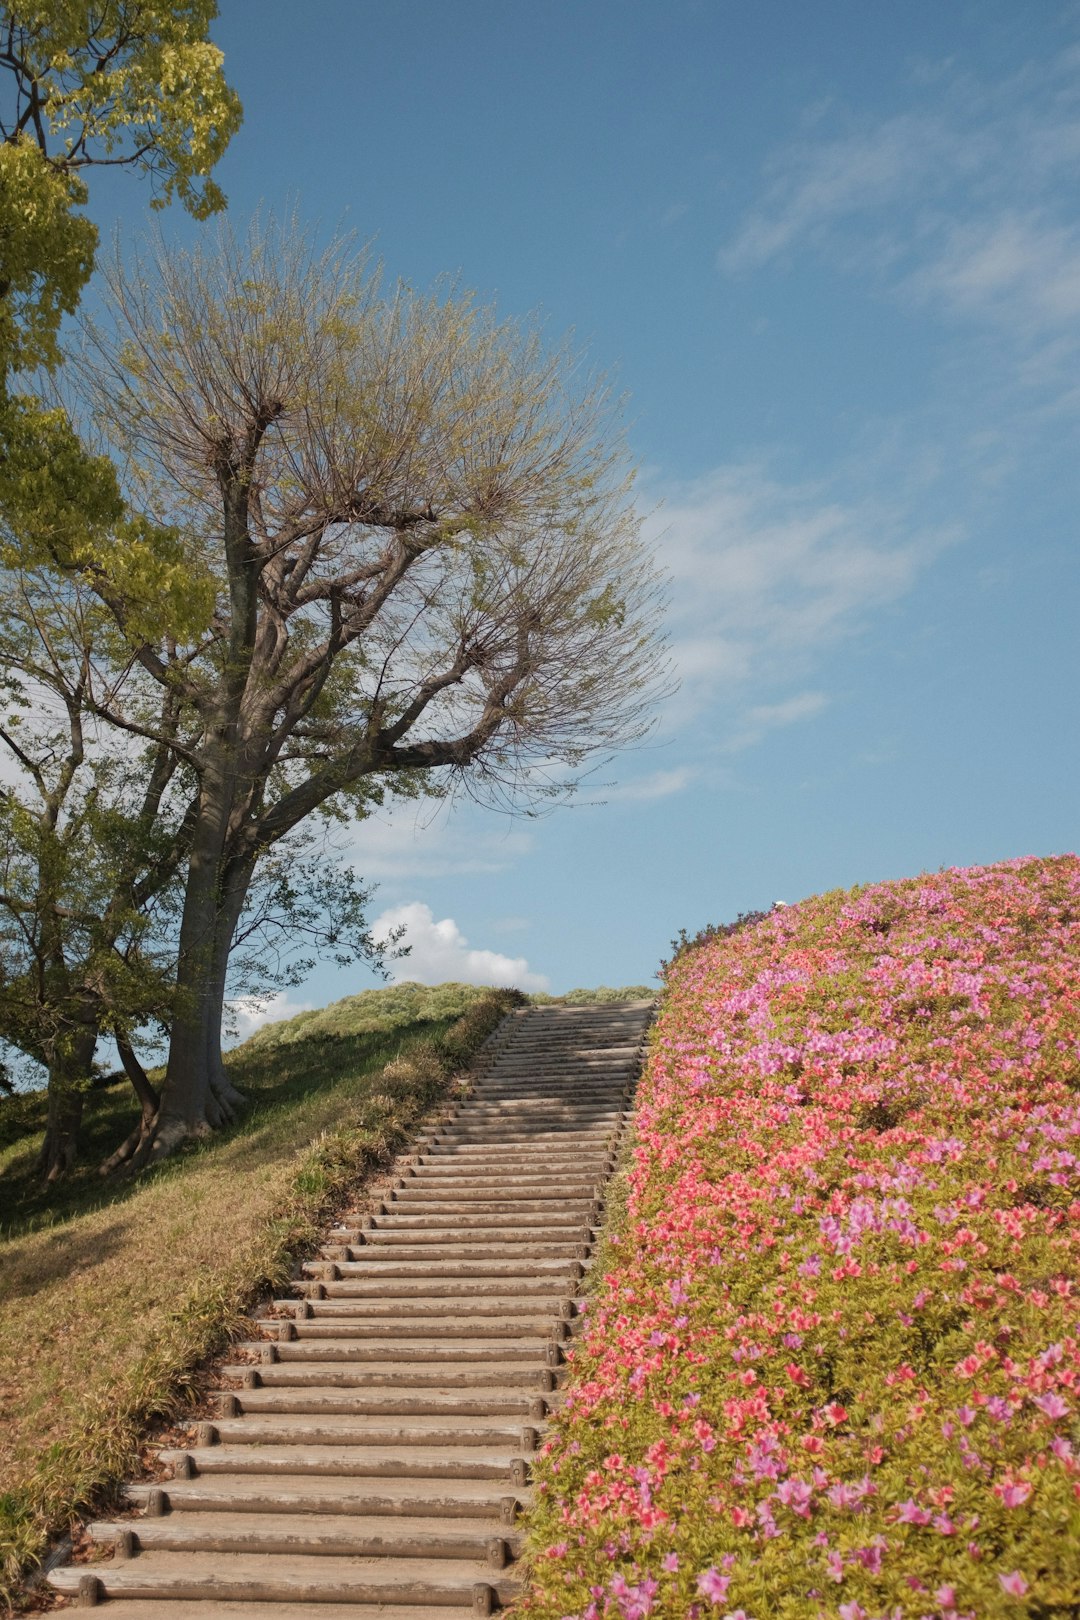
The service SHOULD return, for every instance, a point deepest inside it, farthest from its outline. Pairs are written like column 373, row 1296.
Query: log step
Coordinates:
column 416, row 1375
column 266, row 1578
column 490, row 1402
column 389, row 1462
column 337, row 1429
column 313, row 1493
column 373, row 1536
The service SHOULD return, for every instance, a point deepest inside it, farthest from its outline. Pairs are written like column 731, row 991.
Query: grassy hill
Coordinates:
column 113, row 1291
column 833, row 1368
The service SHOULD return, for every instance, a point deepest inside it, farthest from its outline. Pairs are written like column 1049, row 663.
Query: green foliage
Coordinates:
column 138, row 84
column 47, row 254
column 684, row 942
column 408, row 1002
column 371, row 1011
column 594, row 998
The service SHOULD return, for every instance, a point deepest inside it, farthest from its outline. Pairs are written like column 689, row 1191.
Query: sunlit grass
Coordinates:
column 113, row 1291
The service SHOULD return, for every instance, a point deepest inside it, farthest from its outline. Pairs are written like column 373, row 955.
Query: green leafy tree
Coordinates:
column 92, row 839
column 127, row 83
column 95, row 828
column 85, row 82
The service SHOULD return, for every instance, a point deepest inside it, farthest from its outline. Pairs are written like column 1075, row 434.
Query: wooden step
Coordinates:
column 413, row 1375
column 491, row 1401
column 316, row 1493
column 453, row 1327
column 255, row 1577
column 412, row 1348
column 167, row 1608
column 373, row 1536
column 287, row 1428
column 390, row 1462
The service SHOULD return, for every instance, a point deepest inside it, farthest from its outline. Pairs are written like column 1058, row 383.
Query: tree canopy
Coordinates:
column 413, row 522
column 95, row 82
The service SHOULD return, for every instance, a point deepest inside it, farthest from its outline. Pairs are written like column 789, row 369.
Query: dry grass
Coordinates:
column 108, row 1311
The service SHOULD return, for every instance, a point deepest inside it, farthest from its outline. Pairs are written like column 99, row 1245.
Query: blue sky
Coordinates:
column 832, row 253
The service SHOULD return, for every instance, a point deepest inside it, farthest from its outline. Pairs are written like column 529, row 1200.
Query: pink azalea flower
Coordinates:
column 713, row 1585
column 1014, row 1585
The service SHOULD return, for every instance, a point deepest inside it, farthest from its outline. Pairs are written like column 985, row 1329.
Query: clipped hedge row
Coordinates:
column 100, row 1448
column 834, row 1369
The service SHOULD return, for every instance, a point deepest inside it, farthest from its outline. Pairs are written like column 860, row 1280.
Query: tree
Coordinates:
column 94, row 830
column 427, row 572
column 113, row 82
column 133, row 83
column 92, row 839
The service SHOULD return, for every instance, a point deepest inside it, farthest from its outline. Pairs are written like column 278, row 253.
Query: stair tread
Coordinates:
column 177, row 1530
column 295, row 1574
column 441, row 1496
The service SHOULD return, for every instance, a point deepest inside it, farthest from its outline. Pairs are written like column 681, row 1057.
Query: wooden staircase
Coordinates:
column 370, row 1454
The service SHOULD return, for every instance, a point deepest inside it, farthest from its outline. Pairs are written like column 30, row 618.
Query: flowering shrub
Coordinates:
column 835, row 1368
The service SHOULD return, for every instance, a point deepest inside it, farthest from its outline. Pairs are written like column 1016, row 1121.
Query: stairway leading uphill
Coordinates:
column 375, row 1460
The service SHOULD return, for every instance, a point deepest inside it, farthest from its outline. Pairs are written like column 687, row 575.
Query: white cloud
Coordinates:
column 766, row 576
column 407, row 845
column 249, row 1013
column 1005, row 265
column 655, row 785
column 762, row 718
column 818, row 182
column 963, row 200
column 439, row 951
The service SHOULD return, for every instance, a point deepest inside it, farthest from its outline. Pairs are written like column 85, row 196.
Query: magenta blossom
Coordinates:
column 713, row 1585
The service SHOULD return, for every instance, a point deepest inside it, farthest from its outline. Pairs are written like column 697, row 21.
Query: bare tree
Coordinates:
column 412, row 527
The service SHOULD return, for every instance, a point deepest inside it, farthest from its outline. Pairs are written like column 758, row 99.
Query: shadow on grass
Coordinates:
column 68, row 1251
column 275, row 1080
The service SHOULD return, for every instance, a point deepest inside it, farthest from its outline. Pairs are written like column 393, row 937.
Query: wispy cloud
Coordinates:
column 1005, row 265
column 660, row 784
column 767, row 576
column 404, row 845
column 761, row 718
column 510, row 925
column 963, row 201
column 813, row 184
column 439, row 951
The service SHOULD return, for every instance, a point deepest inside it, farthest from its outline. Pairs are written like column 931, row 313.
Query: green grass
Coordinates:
column 113, row 1293
column 400, row 1005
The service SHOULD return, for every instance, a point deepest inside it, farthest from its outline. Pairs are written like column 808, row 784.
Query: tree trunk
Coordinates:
column 226, row 1098
column 185, row 1091
column 149, row 1103
column 197, row 1096
column 69, row 1069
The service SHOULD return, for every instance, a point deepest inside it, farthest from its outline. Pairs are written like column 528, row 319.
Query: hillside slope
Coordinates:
column 834, row 1366
column 113, row 1292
